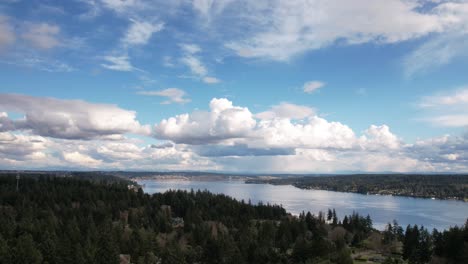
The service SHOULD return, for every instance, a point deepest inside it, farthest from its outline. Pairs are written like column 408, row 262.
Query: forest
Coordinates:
column 78, row 218
column 453, row 187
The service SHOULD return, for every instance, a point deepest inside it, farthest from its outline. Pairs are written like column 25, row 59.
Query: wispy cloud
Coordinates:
column 174, row 95
column 312, row 86
column 288, row 28
column 435, row 53
column 140, row 32
column 42, row 35
column 449, row 109
column 211, row 80
column 191, row 60
column 7, row 35
column 195, row 65
column 38, row 63
column 118, row 63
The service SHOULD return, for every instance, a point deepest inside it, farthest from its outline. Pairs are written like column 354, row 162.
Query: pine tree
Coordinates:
column 107, row 252
column 330, row 214
column 26, row 251
column 5, row 256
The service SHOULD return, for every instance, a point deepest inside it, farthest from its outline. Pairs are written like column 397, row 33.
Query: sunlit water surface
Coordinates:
column 438, row 214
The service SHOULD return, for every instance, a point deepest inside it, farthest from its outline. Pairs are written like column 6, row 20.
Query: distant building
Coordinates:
column 177, row 222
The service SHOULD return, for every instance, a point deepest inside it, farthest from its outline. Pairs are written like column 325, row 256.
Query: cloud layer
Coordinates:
column 68, row 119
column 57, row 133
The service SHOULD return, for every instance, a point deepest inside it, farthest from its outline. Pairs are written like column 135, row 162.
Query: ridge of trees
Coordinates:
column 77, row 220
column 414, row 185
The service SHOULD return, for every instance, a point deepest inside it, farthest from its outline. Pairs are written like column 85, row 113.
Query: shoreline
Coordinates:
column 368, row 193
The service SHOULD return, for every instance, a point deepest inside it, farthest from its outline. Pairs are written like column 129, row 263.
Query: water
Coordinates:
column 440, row 214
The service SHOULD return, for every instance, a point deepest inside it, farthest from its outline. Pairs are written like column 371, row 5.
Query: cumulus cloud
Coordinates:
column 42, row 35
column 81, row 159
column 273, row 141
column 316, row 132
column 230, row 125
column 227, row 137
column 310, row 87
column 140, row 32
column 174, row 95
column 68, row 119
column 22, row 147
column 380, row 137
column 239, row 150
column 288, row 111
column 444, row 152
column 223, row 121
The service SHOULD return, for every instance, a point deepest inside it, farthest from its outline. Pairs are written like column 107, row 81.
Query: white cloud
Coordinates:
column 190, row 59
column 190, row 48
column 224, row 121
column 288, row 28
column 227, row 137
column 140, row 32
column 42, row 36
column 69, row 119
column 21, row 147
column 121, row 5
column 174, row 95
column 451, row 156
column 443, row 48
column 237, row 130
column 228, row 124
column 209, row 7
column 454, row 120
column 168, row 62
column 7, row 35
column 81, row 159
column 453, row 98
column 380, row 137
column 315, row 133
column 195, row 65
column 118, row 63
column 443, row 152
column 39, row 63
column 288, row 111
column 436, row 52
column 211, row 80
column 448, row 109
column 310, row 87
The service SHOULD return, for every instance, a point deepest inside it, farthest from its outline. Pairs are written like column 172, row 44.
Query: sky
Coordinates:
column 318, row 86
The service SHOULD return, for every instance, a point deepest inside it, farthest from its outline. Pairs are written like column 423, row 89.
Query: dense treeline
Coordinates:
column 424, row 186
column 69, row 220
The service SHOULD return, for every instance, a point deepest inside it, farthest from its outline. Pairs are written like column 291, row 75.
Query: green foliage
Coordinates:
column 426, row 186
column 75, row 220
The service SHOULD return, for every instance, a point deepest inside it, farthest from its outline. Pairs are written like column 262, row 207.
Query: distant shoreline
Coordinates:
column 440, row 187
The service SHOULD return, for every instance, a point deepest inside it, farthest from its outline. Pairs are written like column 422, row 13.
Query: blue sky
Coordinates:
column 267, row 86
